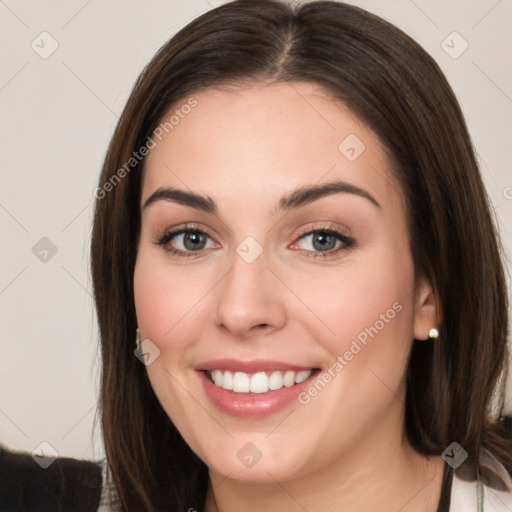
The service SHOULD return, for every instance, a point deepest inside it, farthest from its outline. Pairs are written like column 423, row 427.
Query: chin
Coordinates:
column 255, row 461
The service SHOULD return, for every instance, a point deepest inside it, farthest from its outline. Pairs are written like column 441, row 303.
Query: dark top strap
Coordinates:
column 446, row 490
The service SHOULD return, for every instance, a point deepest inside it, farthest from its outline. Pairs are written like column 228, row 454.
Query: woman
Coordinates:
column 291, row 221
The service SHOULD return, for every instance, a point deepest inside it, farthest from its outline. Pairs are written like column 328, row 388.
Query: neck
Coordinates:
column 379, row 474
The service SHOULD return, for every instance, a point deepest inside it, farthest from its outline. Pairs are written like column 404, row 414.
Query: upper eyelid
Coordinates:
column 329, row 228
column 303, row 231
column 171, row 233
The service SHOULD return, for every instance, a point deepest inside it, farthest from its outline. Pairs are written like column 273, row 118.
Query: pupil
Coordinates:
column 325, row 241
column 194, row 239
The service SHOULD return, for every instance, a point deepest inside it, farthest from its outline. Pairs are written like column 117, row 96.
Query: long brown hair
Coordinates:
column 399, row 91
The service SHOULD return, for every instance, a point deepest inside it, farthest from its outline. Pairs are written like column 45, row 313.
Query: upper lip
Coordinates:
column 255, row 365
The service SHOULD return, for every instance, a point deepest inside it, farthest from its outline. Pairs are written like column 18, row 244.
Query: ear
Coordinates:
column 427, row 312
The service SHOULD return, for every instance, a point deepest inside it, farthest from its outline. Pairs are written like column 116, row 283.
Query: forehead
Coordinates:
column 258, row 142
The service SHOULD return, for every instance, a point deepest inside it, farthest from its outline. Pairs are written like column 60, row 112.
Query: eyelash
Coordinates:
column 347, row 242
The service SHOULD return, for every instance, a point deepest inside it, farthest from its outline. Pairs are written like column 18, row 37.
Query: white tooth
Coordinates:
column 301, row 376
column 241, row 382
column 217, row 377
column 275, row 381
column 289, row 379
column 259, row 383
column 227, row 382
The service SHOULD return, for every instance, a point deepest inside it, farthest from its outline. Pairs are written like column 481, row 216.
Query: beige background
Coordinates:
column 57, row 115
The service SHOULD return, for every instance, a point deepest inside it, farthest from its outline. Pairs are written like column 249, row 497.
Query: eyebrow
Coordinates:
column 175, row 195
column 297, row 198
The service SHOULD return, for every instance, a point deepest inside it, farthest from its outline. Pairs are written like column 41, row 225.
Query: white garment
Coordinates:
column 465, row 495
column 106, row 488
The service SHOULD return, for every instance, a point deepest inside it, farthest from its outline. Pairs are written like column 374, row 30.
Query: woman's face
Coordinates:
column 296, row 265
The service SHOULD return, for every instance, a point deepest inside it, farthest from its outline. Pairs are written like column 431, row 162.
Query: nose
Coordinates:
column 249, row 299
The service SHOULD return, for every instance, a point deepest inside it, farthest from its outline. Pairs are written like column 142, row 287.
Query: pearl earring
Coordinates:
column 433, row 334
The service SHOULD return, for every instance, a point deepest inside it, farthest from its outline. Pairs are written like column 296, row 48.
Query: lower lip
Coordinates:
column 253, row 405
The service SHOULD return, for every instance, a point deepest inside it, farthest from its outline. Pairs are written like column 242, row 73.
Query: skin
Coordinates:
column 245, row 148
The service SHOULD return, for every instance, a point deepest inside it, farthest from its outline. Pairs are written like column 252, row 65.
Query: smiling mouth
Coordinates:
column 259, row 382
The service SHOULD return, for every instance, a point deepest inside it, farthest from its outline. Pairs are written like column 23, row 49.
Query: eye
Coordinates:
column 191, row 241
column 185, row 241
column 323, row 242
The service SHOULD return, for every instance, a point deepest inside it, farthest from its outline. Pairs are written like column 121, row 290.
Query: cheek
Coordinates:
column 367, row 313
column 168, row 305
column 367, row 298
column 166, row 299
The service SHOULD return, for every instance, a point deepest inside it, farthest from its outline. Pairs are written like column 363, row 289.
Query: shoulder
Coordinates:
column 31, row 481
column 492, row 490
